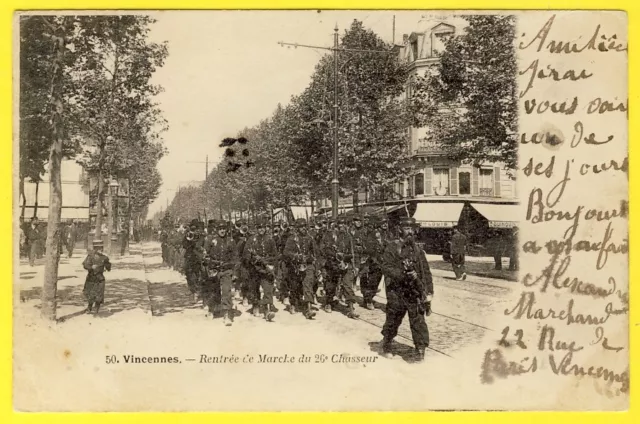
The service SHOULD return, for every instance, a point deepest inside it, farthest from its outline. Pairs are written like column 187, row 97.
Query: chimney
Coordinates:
column 405, row 38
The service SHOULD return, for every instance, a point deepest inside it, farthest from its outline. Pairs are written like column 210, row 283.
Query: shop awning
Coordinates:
column 438, row 215
column 66, row 213
column 301, row 212
column 499, row 216
column 391, row 209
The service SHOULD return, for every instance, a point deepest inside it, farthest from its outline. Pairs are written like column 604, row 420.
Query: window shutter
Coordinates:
column 428, row 189
column 453, row 181
column 496, row 181
column 475, row 176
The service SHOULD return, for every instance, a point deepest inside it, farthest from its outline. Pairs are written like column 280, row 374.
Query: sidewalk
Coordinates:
column 480, row 266
column 126, row 287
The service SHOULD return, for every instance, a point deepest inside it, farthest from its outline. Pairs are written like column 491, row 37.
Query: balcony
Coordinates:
column 429, row 149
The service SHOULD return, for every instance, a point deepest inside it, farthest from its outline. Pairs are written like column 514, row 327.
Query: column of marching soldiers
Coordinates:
column 319, row 259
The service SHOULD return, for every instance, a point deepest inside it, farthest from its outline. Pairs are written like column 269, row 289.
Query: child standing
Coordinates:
column 95, row 263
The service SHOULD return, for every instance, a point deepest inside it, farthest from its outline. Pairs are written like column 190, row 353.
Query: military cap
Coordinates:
column 301, row 222
column 240, row 223
column 341, row 221
column 211, row 223
column 261, row 223
column 223, row 225
column 194, row 223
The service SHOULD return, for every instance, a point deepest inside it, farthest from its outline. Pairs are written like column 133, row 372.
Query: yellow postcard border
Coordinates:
column 7, row 9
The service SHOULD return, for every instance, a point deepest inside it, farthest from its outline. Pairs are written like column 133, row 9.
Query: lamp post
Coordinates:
column 334, row 181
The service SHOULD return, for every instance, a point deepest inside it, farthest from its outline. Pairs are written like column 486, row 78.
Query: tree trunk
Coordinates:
column 107, row 245
column 24, row 198
column 98, row 234
column 52, row 255
column 35, row 205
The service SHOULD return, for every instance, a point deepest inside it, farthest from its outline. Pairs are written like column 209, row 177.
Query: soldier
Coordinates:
column 260, row 253
column 95, row 263
column 193, row 244
column 458, row 250
column 299, row 253
column 331, row 265
column 376, row 244
column 342, row 272
column 359, row 235
column 320, row 261
column 283, row 290
column 242, row 268
column 221, row 260
column 409, row 289
column 207, row 280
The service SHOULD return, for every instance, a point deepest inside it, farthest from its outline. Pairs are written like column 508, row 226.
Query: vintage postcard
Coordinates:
column 318, row 210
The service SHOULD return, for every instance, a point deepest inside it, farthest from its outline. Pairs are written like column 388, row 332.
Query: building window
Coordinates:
column 486, row 182
column 440, row 181
column 419, row 184
column 414, row 49
column 465, row 182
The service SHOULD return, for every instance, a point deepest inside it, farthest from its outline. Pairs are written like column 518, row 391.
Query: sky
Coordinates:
column 226, row 71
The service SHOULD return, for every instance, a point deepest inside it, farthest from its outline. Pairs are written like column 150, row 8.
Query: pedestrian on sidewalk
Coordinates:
column 72, row 236
column 33, row 239
column 95, row 263
column 458, row 251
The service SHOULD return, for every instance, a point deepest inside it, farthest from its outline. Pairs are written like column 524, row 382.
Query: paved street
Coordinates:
column 147, row 312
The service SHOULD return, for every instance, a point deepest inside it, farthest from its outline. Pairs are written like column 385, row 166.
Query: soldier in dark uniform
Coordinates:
column 284, row 266
column 458, row 250
column 376, row 245
column 96, row 263
column 331, row 266
column 207, row 281
column 193, row 245
column 345, row 268
column 299, row 253
column 321, row 229
column 409, row 289
column 242, row 268
column 260, row 253
column 221, row 260
column 359, row 235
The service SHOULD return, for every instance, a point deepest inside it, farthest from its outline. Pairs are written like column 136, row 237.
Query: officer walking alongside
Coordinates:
column 409, row 290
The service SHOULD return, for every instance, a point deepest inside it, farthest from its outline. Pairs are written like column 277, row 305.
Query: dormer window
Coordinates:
column 414, row 49
column 439, row 36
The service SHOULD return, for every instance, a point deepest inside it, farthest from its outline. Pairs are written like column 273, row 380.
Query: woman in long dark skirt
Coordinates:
column 95, row 263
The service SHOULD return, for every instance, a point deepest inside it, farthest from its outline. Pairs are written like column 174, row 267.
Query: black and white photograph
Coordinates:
column 318, row 210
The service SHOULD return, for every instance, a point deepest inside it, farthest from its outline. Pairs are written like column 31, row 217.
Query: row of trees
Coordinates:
column 467, row 101
column 86, row 93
